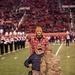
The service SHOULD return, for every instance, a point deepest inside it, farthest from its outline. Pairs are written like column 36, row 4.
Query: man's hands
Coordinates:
column 30, row 65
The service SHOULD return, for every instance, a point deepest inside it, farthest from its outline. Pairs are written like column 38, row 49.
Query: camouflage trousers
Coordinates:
column 34, row 72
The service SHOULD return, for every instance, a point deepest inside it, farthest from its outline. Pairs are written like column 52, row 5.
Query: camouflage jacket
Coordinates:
column 50, row 65
column 34, row 42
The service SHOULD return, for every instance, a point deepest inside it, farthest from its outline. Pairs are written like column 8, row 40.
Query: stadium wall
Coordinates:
column 50, row 34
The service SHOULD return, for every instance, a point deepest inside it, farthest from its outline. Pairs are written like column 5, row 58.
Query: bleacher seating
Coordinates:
column 68, row 2
column 44, row 13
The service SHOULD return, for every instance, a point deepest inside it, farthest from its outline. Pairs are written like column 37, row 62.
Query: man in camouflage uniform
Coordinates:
column 50, row 64
column 39, row 38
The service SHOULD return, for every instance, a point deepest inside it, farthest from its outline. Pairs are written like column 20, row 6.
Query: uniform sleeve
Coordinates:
column 28, row 61
column 42, row 66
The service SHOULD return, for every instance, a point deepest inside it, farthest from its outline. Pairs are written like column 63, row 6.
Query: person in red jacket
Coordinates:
column 38, row 39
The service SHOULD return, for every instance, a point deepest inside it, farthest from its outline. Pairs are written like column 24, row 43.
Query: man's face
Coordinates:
column 38, row 33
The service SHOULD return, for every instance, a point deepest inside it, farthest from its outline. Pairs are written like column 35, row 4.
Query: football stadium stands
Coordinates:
column 44, row 13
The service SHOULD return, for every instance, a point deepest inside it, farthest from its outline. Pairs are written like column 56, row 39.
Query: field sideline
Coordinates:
column 13, row 63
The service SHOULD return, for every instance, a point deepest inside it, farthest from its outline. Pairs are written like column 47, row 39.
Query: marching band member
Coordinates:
column 15, row 40
column 23, row 39
column 18, row 41
column 11, row 40
column 67, row 38
column 2, row 44
column 6, row 41
column 21, row 42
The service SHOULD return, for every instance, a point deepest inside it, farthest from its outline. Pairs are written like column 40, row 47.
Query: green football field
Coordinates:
column 13, row 63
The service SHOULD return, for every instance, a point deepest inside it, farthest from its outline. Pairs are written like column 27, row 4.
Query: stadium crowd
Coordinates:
column 68, row 2
column 43, row 13
column 47, row 15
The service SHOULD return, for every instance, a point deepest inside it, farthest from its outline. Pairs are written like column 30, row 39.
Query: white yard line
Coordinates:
column 59, row 49
column 3, row 58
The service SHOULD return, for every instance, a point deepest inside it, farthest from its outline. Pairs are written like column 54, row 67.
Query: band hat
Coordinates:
column 10, row 33
column 18, row 33
column 6, row 34
column 15, row 33
column 67, row 32
column 1, row 31
column 23, row 33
